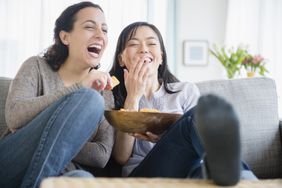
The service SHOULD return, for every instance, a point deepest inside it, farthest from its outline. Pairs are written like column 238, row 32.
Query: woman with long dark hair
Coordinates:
column 140, row 63
column 54, row 111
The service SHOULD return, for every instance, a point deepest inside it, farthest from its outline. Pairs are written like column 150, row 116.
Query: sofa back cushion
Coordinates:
column 4, row 88
column 255, row 101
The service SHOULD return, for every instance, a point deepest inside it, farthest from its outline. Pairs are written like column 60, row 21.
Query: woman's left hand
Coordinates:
column 148, row 136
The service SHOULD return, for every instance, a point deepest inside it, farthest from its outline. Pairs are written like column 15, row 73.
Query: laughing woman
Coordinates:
column 54, row 111
column 140, row 63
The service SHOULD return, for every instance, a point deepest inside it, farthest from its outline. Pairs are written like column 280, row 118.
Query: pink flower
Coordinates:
column 257, row 59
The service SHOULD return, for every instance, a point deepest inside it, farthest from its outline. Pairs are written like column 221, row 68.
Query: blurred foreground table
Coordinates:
column 66, row 182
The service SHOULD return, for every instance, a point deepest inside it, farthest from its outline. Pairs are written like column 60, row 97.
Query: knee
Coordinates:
column 91, row 99
column 190, row 113
column 93, row 96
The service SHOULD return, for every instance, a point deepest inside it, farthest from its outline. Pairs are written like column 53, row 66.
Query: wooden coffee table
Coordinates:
column 66, row 182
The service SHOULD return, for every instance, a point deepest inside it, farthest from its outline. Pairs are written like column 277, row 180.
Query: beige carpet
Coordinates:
column 148, row 183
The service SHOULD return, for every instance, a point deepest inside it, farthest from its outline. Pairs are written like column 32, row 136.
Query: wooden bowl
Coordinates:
column 140, row 122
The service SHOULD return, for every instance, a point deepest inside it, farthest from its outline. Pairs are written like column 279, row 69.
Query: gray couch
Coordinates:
column 255, row 101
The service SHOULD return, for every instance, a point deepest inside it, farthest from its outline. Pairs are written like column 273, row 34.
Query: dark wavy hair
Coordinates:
column 58, row 52
column 164, row 75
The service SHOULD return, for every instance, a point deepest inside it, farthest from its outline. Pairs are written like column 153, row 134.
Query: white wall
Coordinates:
column 200, row 20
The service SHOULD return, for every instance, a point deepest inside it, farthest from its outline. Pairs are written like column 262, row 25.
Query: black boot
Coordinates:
column 218, row 128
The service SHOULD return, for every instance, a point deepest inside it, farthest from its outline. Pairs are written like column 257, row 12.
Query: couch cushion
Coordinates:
column 255, row 101
column 4, row 85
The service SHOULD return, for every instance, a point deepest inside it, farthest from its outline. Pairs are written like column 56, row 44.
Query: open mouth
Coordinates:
column 148, row 59
column 94, row 48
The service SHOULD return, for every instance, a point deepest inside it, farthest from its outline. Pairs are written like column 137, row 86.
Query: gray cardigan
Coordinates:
column 34, row 88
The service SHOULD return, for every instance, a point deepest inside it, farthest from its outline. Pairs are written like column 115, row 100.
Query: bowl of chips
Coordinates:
column 141, row 121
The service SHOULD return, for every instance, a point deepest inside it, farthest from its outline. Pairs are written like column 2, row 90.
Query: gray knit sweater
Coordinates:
column 34, row 88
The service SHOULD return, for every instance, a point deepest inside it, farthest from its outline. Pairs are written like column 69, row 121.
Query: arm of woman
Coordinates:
column 97, row 151
column 24, row 101
column 123, row 147
column 135, row 82
column 124, row 142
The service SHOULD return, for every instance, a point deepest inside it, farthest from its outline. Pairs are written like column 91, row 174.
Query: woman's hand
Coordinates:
column 148, row 136
column 97, row 80
column 135, row 81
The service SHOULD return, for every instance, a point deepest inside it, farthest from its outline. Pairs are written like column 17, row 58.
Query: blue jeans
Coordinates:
column 48, row 143
column 178, row 154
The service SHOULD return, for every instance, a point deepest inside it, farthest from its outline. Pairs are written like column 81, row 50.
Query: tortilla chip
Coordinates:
column 115, row 81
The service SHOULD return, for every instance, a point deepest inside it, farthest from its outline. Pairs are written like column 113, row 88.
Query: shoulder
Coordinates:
column 33, row 62
column 186, row 87
column 188, row 94
column 33, row 69
column 37, row 64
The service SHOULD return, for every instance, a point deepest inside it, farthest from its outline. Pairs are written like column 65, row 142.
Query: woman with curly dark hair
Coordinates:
column 54, row 111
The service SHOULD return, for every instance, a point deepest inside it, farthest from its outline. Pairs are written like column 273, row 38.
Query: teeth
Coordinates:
column 149, row 59
column 96, row 46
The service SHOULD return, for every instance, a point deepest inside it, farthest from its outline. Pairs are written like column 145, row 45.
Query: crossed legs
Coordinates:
column 49, row 142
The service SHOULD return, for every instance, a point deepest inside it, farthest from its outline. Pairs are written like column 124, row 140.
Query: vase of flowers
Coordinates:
column 234, row 59
column 253, row 64
column 230, row 58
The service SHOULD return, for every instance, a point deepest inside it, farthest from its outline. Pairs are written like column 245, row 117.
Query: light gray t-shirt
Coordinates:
column 179, row 102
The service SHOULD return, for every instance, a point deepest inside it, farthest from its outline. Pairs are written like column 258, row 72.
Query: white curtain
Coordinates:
column 258, row 23
column 27, row 26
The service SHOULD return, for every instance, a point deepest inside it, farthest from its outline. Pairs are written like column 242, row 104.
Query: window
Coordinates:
column 29, row 26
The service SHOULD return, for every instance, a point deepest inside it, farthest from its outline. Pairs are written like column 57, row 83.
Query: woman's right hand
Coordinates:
column 135, row 81
column 97, row 80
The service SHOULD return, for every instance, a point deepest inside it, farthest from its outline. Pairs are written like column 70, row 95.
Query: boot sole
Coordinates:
column 218, row 128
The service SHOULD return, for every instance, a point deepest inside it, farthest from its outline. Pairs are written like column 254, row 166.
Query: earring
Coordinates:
column 120, row 62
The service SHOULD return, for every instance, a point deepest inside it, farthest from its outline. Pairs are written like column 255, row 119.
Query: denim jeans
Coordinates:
column 179, row 154
column 178, row 151
column 48, row 143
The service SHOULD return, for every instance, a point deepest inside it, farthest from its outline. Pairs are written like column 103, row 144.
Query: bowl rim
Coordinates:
column 162, row 115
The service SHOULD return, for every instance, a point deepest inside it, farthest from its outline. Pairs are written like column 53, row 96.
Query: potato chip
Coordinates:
column 141, row 110
column 148, row 110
